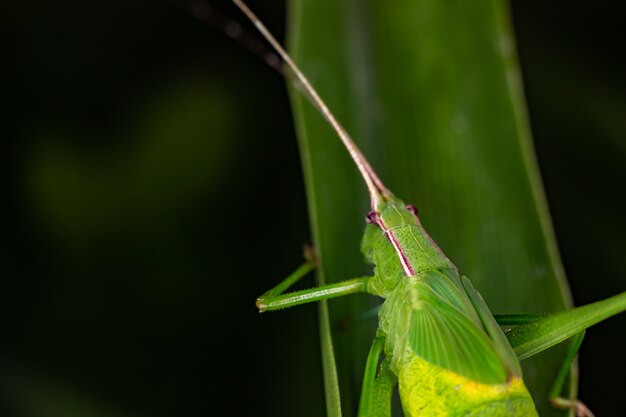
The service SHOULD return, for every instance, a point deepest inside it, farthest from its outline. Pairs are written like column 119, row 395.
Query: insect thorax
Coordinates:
column 397, row 244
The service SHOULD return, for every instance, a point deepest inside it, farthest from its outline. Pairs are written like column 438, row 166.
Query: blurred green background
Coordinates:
column 153, row 190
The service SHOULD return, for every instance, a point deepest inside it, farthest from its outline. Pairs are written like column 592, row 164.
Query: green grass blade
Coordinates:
column 430, row 90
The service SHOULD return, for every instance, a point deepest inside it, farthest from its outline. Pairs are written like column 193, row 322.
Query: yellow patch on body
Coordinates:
column 427, row 390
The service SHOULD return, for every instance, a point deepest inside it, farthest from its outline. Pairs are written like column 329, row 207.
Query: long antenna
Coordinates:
column 206, row 13
column 377, row 190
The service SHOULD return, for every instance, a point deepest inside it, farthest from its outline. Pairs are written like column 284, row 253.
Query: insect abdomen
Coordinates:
column 427, row 390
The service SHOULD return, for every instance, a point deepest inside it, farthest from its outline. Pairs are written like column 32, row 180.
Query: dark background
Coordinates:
column 152, row 189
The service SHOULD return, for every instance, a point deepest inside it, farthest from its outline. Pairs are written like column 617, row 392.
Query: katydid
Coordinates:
column 441, row 344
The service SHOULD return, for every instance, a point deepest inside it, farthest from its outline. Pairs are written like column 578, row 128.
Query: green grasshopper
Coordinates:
column 442, row 346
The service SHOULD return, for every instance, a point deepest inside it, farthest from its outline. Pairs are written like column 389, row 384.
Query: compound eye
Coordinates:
column 412, row 208
column 372, row 217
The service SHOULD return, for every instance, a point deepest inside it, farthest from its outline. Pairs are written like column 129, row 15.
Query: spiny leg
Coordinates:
column 274, row 299
column 271, row 301
column 537, row 335
column 516, row 319
column 554, row 395
column 378, row 384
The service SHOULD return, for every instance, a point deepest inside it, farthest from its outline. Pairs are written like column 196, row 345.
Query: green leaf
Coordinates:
column 430, row 90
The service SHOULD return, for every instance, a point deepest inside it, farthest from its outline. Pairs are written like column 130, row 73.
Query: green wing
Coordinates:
column 445, row 330
column 500, row 341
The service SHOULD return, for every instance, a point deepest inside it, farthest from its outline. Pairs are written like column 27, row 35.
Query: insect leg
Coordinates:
column 516, row 319
column 555, row 393
column 554, row 396
column 545, row 331
column 274, row 300
column 378, row 384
